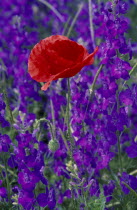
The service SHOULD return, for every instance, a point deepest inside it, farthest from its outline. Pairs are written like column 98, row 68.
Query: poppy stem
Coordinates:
column 68, row 116
column 68, row 107
column 53, row 118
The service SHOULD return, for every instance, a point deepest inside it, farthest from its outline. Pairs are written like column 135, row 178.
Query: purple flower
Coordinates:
column 5, row 142
column 42, row 199
column 94, row 189
column 108, row 190
column 25, row 139
column 11, row 161
column 82, row 206
column 126, row 97
column 105, row 159
column 116, row 121
column 4, row 123
column 28, row 179
column 35, row 160
column 3, row 192
column 47, row 198
column 51, row 199
column 123, row 7
column 15, row 189
column 23, row 121
column 2, row 103
column 60, row 169
column 120, row 69
column 130, row 180
column 26, row 199
column 132, row 150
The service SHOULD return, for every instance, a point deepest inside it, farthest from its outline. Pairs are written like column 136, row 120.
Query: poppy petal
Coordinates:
column 57, row 57
column 70, row 72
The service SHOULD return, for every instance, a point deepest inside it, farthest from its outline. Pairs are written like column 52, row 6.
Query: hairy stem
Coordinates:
column 64, row 139
column 74, row 19
column 53, row 9
column 68, row 110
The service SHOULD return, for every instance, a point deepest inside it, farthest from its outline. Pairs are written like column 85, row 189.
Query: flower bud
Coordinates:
column 53, row 145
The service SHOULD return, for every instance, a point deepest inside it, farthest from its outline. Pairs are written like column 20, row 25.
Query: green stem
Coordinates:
column 91, row 22
column 131, row 72
column 68, row 104
column 119, row 153
column 113, row 204
column 4, row 90
column 53, row 118
column 132, row 191
column 53, row 9
column 64, row 139
column 133, row 172
column 8, row 170
column 117, row 100
column 7, row 181
column 8, row 106
column 74, row 19
column 95, row 79
column 66, row 26
column 68, row 112
column 119, row 136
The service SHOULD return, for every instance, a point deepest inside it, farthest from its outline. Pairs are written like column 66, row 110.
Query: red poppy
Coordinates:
column 57, row 57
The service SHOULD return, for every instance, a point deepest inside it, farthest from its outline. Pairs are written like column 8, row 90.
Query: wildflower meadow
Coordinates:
column 68, row 105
